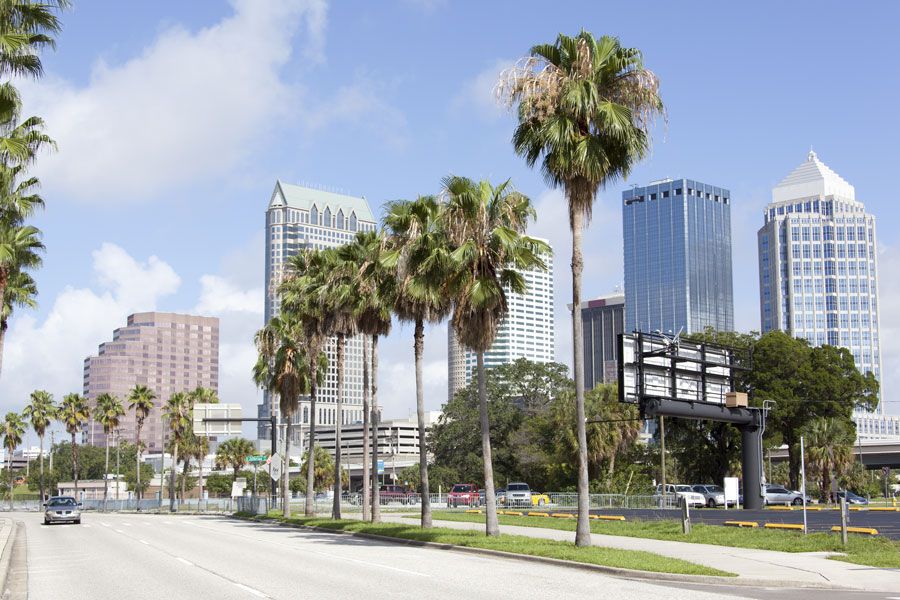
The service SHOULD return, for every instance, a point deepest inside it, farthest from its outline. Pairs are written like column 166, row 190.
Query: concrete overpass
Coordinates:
column 875, row 453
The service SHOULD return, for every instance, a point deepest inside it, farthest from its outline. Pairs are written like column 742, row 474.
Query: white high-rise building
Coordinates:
column 818, row 269
column 526, row 332
column 296, row 218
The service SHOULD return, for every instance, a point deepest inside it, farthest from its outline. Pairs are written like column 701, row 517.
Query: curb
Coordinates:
column 612, row 571
column 7, row 540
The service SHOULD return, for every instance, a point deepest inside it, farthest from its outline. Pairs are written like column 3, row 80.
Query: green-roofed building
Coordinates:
column 300, row 217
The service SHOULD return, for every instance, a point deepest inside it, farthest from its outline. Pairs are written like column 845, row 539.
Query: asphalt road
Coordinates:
column 887, row 523
column 131, row 556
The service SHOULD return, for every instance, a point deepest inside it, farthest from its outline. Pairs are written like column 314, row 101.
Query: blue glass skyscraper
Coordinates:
column 677, row 235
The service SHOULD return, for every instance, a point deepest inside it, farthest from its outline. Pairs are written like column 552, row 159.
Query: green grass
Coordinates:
column 862, row 550
column 517, row 544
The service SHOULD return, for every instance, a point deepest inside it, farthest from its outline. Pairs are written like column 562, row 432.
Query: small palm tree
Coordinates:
column 486, row 225
column 20, row 292
column 13, row 430
column 419, row 250
column 829, row 446
column 40, row 413
column 73, row 413
column 108, row 411
column 176, row 413
column 141, row 402
column 233, row 453
column 19, row 245
column 585, row 108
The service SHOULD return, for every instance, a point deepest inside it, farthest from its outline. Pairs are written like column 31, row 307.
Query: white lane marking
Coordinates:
column 119, row 531
column 187, row 562
column 256, row 593
column 145, row 542
column 127, row 524
column 168, row 522
column 86, row 526
column 105, row 524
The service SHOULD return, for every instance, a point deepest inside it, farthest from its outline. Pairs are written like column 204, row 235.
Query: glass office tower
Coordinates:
column 677, row 235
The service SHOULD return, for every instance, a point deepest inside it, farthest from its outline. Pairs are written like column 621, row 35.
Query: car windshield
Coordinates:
column 683, row 488
column 61, row 502
column 460, row 488
column 699, row 488
column 715, row 488
column 517, row 487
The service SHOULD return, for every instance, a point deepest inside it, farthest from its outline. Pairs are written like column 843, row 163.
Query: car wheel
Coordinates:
column 541, row 502
column 797, row 501
column 46, row 521
column 711, row 503
column 78, row 521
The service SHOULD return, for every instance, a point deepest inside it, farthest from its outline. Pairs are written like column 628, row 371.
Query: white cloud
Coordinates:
column 476, row 98
column 397, row 375
column 191, row 105
column 220, row 295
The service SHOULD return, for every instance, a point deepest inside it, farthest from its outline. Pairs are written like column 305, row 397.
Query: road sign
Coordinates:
column 216, row 411
column 275, row 464
column 256, row 459
column 380, row 467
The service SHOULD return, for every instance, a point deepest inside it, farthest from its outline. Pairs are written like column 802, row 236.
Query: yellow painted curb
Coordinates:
column 868, row 530
column 811, row 508
column 742, row 523
column 608, row 517
column 885, row 508
column 513, row 512
column 784, row 526
column 777, row 507
column 538, row 514
column 477, row 512
column 563, row 515
column 853, row 508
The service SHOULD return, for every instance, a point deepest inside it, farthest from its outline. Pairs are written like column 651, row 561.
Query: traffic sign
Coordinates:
column 275, row 464
column 256, row 459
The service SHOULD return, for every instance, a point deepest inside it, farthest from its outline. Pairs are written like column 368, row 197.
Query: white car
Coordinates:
column 683, row 493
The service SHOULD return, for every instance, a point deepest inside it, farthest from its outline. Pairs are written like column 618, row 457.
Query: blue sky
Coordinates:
column 174, row 119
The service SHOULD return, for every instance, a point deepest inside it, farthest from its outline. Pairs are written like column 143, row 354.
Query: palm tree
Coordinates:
column 585, row 107
column 19, row 245
column 302, row 296
column 420, row 253
column 486, row 225
column 40, row 413
column 26, row 27
column 233, row 453
column 177, row 414
column 829, row 448
column 13, row 430
column 73, row 412
column 141, row 402
column 202, row 395
column 20, row 291
column 375, row 288
column 281, row 368
column 108, row 411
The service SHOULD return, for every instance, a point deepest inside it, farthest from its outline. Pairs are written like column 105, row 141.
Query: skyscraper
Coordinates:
column 526, row 332
column 677, row 236
column 297, row 218
column 602, row 320
column 166, row 352
column 818, row 270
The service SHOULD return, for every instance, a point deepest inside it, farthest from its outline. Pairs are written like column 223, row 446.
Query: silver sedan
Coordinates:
column 62, row 509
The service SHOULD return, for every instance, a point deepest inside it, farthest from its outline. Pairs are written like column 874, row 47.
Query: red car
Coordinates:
column 463, row 494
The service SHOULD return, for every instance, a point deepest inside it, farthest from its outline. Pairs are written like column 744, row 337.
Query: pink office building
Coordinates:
column 166, row 352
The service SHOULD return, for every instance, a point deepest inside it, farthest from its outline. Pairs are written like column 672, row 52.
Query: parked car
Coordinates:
column 388, row 494
column 62, row 509
column 776, row 494
column 463, row 494
column 517, row 494
column 499, row 496
column 851, row 497
column 683, row 493
column 714, row 495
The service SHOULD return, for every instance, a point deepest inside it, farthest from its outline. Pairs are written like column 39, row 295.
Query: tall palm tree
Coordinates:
column 74, row 412
column 281, row 368
column 177, row 415
column 376, row 289
column 200, row 448
column 141, row 402
column 13, row 430
column 829, row 446
column 233, row 453
column 40, row 413
column 20, row 291
column 202, row 395
column 19, row 245
column 420, row 253
column 486, row 225
column 585, row 109
column 302, row 296
column 26, row 27
column 108, row 411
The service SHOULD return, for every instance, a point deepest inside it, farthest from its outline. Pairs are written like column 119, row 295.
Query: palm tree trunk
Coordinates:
column 172, row 477
column 41, row 458
column 106, row 474
column 336, row 502
column 137, row 466
column 376, row 500
column 74, row 469
column 2, row 341
column 492, row 527
column 9, row 470
column 285, row 489
column 184, row 474
column 310, row 508
column 419, row 348
column 366, row 513
column 583, row 528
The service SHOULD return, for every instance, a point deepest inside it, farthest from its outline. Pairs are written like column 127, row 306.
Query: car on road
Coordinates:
column 776, row 494
column 714, row 495
column 682, row 493
column 62, row 509
column 851, row 497
column 463, row 494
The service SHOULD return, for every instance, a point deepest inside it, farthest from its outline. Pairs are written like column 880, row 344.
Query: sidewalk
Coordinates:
column 781, row 569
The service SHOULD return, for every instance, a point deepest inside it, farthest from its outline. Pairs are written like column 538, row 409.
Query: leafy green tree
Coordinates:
column 40, row 413
column 13, row 430
column 263, row 481
column 324, row 469
column 73, row 413
column 108, row 411
column 137, row 482
column 141, row 402
column 202, row 395
column 298, row 484
column 219, row 484
column 585, row 108
column 829, row 449
column 233, row 453
column 486, row 225
column 90, row 463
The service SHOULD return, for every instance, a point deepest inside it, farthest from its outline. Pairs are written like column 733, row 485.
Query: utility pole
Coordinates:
column 51, row 454
column 662, row 440
column 117, row 463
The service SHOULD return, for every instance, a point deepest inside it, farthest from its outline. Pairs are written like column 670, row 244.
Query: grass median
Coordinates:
column 869, row 551
column 516, row 544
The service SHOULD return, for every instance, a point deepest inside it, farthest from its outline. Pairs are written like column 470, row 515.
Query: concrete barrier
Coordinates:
column 741, row 523
column 783, row 526
column 868, row 530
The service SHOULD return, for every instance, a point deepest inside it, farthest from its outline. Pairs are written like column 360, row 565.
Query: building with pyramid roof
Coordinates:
column 818, row 270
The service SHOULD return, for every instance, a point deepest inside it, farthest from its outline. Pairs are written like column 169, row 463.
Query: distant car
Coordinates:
column 517, row 494
column 463, row 494
column 852, row 498
column 684, row 493
column 714, row 495
column 776, row 494
column 62, row 509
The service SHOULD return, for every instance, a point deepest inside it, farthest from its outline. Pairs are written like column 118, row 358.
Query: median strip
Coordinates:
column 885, row 508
